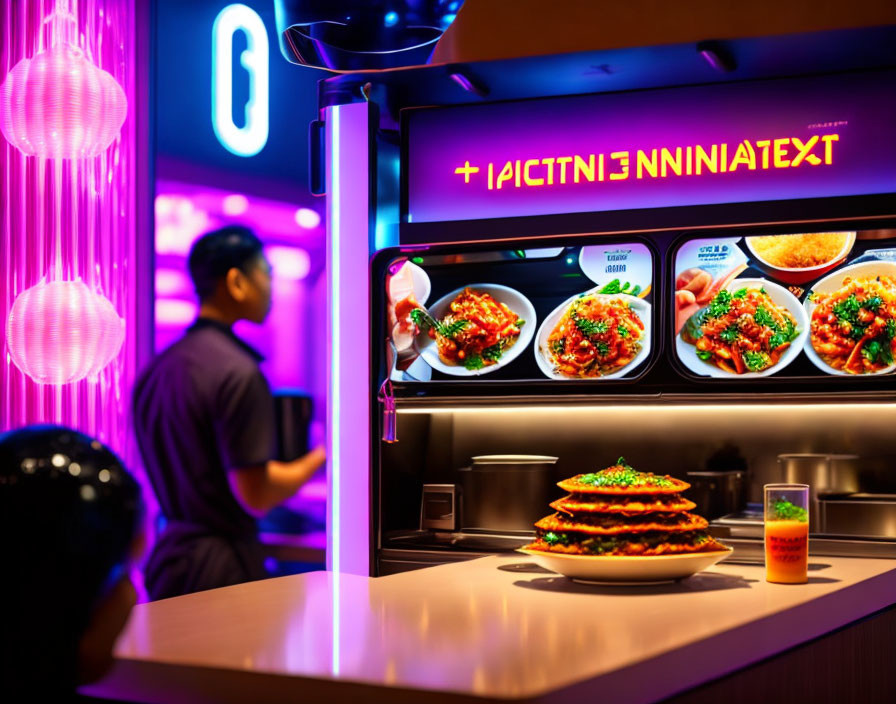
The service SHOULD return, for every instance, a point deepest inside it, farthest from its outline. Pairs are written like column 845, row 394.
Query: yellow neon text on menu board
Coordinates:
column 690, row 160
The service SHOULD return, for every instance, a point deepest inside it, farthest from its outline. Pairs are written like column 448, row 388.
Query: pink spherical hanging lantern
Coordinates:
column 61, row 331
column 58, row 105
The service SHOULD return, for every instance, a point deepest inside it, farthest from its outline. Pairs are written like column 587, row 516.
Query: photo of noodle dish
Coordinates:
column 594, row 336
column 475, row 329
column 621, row 524
column 751, row 328
column 852, row 316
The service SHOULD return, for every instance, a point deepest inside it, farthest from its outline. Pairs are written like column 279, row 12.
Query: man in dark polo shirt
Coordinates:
column 204, row 419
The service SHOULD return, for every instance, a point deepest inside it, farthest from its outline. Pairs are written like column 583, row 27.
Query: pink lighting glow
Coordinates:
column 60, row 332
column 235, row 204
column 171, row 282
column 170, row 311
column 69, row 225
column 288, row 262
column 178, row 223
column 59, row 105
column 307, row 218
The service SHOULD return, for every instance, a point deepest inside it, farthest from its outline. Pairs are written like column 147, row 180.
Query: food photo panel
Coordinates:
column 803, row 304
column 582, row 313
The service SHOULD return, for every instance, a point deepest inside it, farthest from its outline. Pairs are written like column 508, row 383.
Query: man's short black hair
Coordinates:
column 219, row 251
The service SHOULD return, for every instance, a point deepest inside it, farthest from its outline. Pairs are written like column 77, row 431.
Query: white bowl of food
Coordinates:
column 799, row 258
column 728, row 344
column 610, row 339
column 848, row 336
column 469, row 349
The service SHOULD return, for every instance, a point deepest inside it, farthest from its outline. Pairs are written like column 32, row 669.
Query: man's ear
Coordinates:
column 236, row 283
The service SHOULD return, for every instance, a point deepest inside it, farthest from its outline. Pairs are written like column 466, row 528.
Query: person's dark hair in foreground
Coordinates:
column 69, row 514
column 204, row 419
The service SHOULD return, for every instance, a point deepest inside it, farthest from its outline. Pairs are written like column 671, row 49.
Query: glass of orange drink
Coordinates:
column 786, row 533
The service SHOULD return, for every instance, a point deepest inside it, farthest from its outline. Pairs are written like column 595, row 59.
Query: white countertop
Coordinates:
column 486, row 628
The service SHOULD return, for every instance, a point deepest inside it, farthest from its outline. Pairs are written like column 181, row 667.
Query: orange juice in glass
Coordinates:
column 787, row 533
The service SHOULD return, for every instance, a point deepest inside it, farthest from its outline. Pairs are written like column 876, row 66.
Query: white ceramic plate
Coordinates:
column 623, row 569
column 544, row 357
column 780, row 296
column 831, row 283
column 512, row 298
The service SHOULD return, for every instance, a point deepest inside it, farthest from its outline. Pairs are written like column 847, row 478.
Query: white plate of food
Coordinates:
column 799, row 258
column 708, row 348
column 847, row 335
column 594, row 336
column 624, row 569
column 460, row 349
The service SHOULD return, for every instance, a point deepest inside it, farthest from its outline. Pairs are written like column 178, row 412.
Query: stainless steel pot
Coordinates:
column 824, row 473
column 717, row 493
column 506, row 492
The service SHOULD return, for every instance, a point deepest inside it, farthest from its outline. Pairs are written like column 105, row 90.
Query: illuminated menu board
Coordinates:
column 756, row 141
column 736, row 309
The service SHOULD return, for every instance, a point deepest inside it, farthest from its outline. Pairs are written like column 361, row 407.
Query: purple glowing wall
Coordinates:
column 67, row 215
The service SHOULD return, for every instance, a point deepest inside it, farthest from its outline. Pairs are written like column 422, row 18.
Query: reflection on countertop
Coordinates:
column 495, row 627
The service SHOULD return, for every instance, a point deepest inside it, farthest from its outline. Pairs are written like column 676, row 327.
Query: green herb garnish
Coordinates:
column 719, row 305
column 788, row 334
column 878, row 353
column 756, row 361
column 783, row 510
column 740, row 293
column 705, row 355
column 473, row 362
column 494, row 352
column 622, row 331
column 558, row 347
column 623, row 475
column 615, row 286
column 589, row 328
column 424, row 320
column 763, row 317
column 730, row 333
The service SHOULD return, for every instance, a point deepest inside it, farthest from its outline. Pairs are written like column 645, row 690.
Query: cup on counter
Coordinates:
column 786, row 533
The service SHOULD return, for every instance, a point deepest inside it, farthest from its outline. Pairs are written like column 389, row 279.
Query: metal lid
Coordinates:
column 514, row 459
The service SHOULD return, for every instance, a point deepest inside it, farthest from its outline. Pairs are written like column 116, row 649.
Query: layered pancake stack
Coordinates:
column 620, row 511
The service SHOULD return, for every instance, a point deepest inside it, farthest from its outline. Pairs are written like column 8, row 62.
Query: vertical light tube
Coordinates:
column 348, row 417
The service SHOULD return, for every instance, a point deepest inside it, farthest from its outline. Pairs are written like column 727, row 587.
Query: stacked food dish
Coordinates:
column 621, row 525
column 620, row 511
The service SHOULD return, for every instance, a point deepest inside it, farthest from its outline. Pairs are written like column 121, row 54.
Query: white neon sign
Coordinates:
column 250, row 139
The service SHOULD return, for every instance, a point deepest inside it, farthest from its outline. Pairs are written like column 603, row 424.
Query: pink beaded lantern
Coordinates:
column 58, row 105
column 61, row 331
